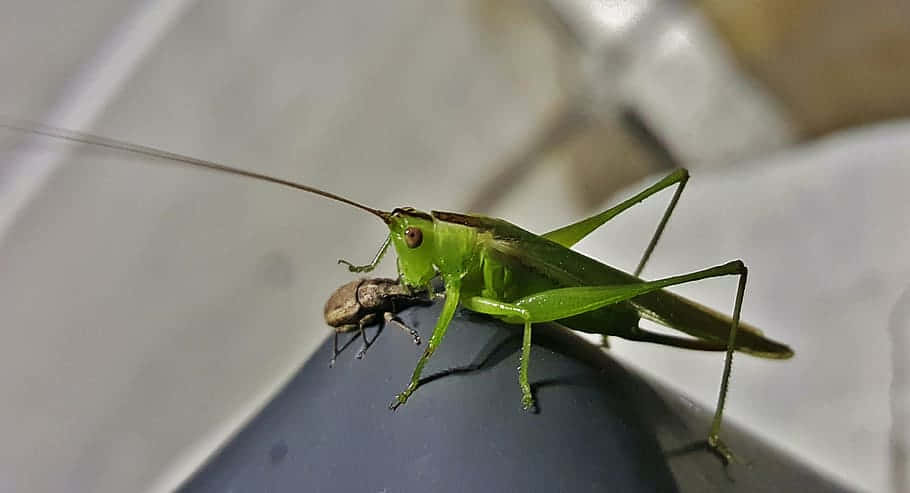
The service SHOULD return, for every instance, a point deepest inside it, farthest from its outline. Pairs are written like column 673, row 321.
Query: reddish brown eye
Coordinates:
column 413, row 237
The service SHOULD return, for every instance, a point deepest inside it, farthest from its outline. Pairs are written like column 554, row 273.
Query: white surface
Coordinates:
column 825, row 231
column 147, row 310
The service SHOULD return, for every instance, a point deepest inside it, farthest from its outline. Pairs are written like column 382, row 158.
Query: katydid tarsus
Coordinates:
column 491, row 266
column 360, row 302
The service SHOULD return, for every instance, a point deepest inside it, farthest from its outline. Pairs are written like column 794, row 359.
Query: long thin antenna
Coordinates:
column 88, row 139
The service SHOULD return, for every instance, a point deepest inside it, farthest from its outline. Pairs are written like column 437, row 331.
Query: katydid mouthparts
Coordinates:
column 359, row 303
column 490, row 266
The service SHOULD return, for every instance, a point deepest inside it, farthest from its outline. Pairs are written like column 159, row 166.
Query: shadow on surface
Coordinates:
column 599, row 426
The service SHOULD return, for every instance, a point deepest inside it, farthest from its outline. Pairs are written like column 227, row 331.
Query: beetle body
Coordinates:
column 359, row 303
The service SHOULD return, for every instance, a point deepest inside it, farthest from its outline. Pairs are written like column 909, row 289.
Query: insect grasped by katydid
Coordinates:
column 359, row 303
column 491, row 266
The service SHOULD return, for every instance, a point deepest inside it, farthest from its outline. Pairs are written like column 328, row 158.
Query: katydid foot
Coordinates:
column 356, row 268
column 527, row 401
column 722, row 451
column 402, row 397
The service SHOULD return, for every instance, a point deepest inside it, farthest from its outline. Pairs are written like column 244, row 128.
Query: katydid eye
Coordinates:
column 413, row 237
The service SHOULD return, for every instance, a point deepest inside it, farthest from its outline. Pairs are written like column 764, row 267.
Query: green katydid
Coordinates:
column 491, row 266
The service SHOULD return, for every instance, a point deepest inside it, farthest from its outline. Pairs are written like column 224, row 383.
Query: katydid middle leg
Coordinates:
column 502, row 309
column 560, row 303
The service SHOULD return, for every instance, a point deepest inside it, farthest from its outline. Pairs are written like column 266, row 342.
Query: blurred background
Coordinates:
column 147, row 311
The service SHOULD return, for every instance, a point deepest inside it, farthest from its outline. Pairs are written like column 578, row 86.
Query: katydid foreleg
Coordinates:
column 373, row 263
column 453, row 291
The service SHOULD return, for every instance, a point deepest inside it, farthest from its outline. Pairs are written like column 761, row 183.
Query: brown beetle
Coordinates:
column 358, row 304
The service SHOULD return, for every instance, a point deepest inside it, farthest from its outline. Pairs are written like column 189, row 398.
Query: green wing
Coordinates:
column 533, row 254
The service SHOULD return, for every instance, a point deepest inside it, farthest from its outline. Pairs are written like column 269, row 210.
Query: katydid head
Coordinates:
column 412, row 235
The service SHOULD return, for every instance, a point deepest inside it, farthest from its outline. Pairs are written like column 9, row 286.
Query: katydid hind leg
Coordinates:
column 683, row 179
column 714, row 441
column 573, row 233
column 560, row 303
column 568, row 236
column 643, row 335
column 567, row 302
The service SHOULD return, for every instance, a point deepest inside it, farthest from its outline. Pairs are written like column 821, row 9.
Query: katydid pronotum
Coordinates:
column 491, row 266
column 359, row 303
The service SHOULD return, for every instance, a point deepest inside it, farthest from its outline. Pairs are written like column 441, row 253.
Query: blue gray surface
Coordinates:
column 599, row 427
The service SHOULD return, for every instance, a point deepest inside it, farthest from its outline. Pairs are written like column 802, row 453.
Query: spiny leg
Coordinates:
column 560, row 303
column 573, row 233
column 373, row 263
column 567, row 302
column 361, row 326
column 568, row 236
column 335, row 350
column 392, row 318
column 498, row 308
column 643, row 335
column 640, row 334
column 683, row 177
column 714, row 440
column 453, row 288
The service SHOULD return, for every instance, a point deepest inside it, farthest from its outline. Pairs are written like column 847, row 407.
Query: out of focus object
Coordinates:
column 655, row 88
column 652, row 84
column 833, row 63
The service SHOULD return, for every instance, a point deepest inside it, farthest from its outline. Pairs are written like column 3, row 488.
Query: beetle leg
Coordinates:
column 366, row 320
column 453, row 294
column 336, row 350
column 391, row 317
column 373, row 263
